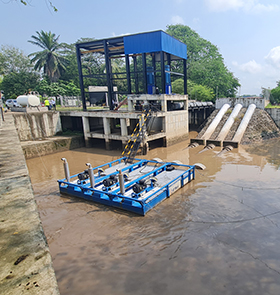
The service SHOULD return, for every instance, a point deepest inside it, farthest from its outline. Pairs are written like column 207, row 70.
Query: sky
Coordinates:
column 245, row 31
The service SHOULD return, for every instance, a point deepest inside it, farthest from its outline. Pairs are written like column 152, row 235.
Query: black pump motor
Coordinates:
column 84, row 175
column 140, row 186
column 110, row 181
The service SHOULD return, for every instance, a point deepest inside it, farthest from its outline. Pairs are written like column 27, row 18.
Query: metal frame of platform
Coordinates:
column 163, row 178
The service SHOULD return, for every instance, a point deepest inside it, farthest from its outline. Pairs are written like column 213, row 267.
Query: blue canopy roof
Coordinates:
column 162, row 47
column 154, row 42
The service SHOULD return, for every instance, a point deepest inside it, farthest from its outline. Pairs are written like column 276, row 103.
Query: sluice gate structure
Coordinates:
column 242, row 127
column 220, row 138
column 226, row 128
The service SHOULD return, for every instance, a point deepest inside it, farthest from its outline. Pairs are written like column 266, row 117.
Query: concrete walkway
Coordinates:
column 25, row 260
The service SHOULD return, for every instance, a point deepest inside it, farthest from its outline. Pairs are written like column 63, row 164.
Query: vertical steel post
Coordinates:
column 66, row 169
column 108, row 75
column 185, row 77
column 128, row 79
column 121, row 182
column 81, row 79
column 162, row 64
column 154, row 66
column 144, row 62
column 169, row 60
column 135, row 74
column 91, row 175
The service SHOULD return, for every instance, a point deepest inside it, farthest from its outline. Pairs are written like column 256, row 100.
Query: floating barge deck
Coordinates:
column 137, row 187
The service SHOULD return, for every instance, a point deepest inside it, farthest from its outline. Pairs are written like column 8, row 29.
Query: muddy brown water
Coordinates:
column 217, row 235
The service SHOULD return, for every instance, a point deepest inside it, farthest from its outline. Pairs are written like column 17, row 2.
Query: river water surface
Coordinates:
column 217, row 235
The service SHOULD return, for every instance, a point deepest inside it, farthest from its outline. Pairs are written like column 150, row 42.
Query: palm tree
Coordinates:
column 51, row 58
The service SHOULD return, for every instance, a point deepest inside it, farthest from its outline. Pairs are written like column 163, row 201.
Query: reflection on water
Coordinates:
column 217, row 235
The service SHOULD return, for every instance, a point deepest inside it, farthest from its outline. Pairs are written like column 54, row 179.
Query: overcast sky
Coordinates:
column 245, row 31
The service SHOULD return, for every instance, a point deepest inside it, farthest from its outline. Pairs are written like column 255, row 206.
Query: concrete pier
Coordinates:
column 26, row 264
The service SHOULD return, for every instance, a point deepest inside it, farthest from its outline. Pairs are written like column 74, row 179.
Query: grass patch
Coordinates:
column 270, row 106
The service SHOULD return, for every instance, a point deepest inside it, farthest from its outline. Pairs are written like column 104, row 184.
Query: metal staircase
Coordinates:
column 138, row 136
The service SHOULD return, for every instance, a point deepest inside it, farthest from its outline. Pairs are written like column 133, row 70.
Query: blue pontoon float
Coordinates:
column 137, row 187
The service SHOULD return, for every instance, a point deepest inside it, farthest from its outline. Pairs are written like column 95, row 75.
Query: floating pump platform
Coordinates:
column 137, row 187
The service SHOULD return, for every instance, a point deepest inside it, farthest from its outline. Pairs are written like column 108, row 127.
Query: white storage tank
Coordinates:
column 29, row 100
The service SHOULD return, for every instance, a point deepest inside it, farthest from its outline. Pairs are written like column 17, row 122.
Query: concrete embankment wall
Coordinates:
column 275, row 115
column 32, row 149
column 32, row 126
column 36, row 132
column 26, row 264
column 176, row 127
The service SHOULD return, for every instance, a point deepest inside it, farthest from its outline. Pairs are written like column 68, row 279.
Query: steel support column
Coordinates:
column 135, row 74
column 145, row 73
column 162, row 69
column 108, row 75
column 169, row 60
column 128, row 79
column 80, row 71
column 185, row 77
column 154, row 67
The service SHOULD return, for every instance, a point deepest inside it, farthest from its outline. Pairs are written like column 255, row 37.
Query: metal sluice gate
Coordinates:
column 137, row 187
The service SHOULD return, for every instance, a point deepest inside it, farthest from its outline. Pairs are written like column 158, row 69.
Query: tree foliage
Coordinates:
column 92, row 64
column 15, row 84
column 205, row 64
column 14, row 60
column 275, row 95
column 44, row 87
column 178, row 86
column 52, row 58
column 201, row 93
column 195, row 91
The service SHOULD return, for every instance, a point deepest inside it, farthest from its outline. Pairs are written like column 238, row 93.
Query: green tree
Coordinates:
column 71, row 69
column 275, row 95
column 201, row 93
column 178, row 86
column 195, row 91
column 14, row 60
column 15, row 84
column 56, row 90
column 92, row 63
column 70, row 88
column 205, row 64
column 52, row 58
column 44, row 87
